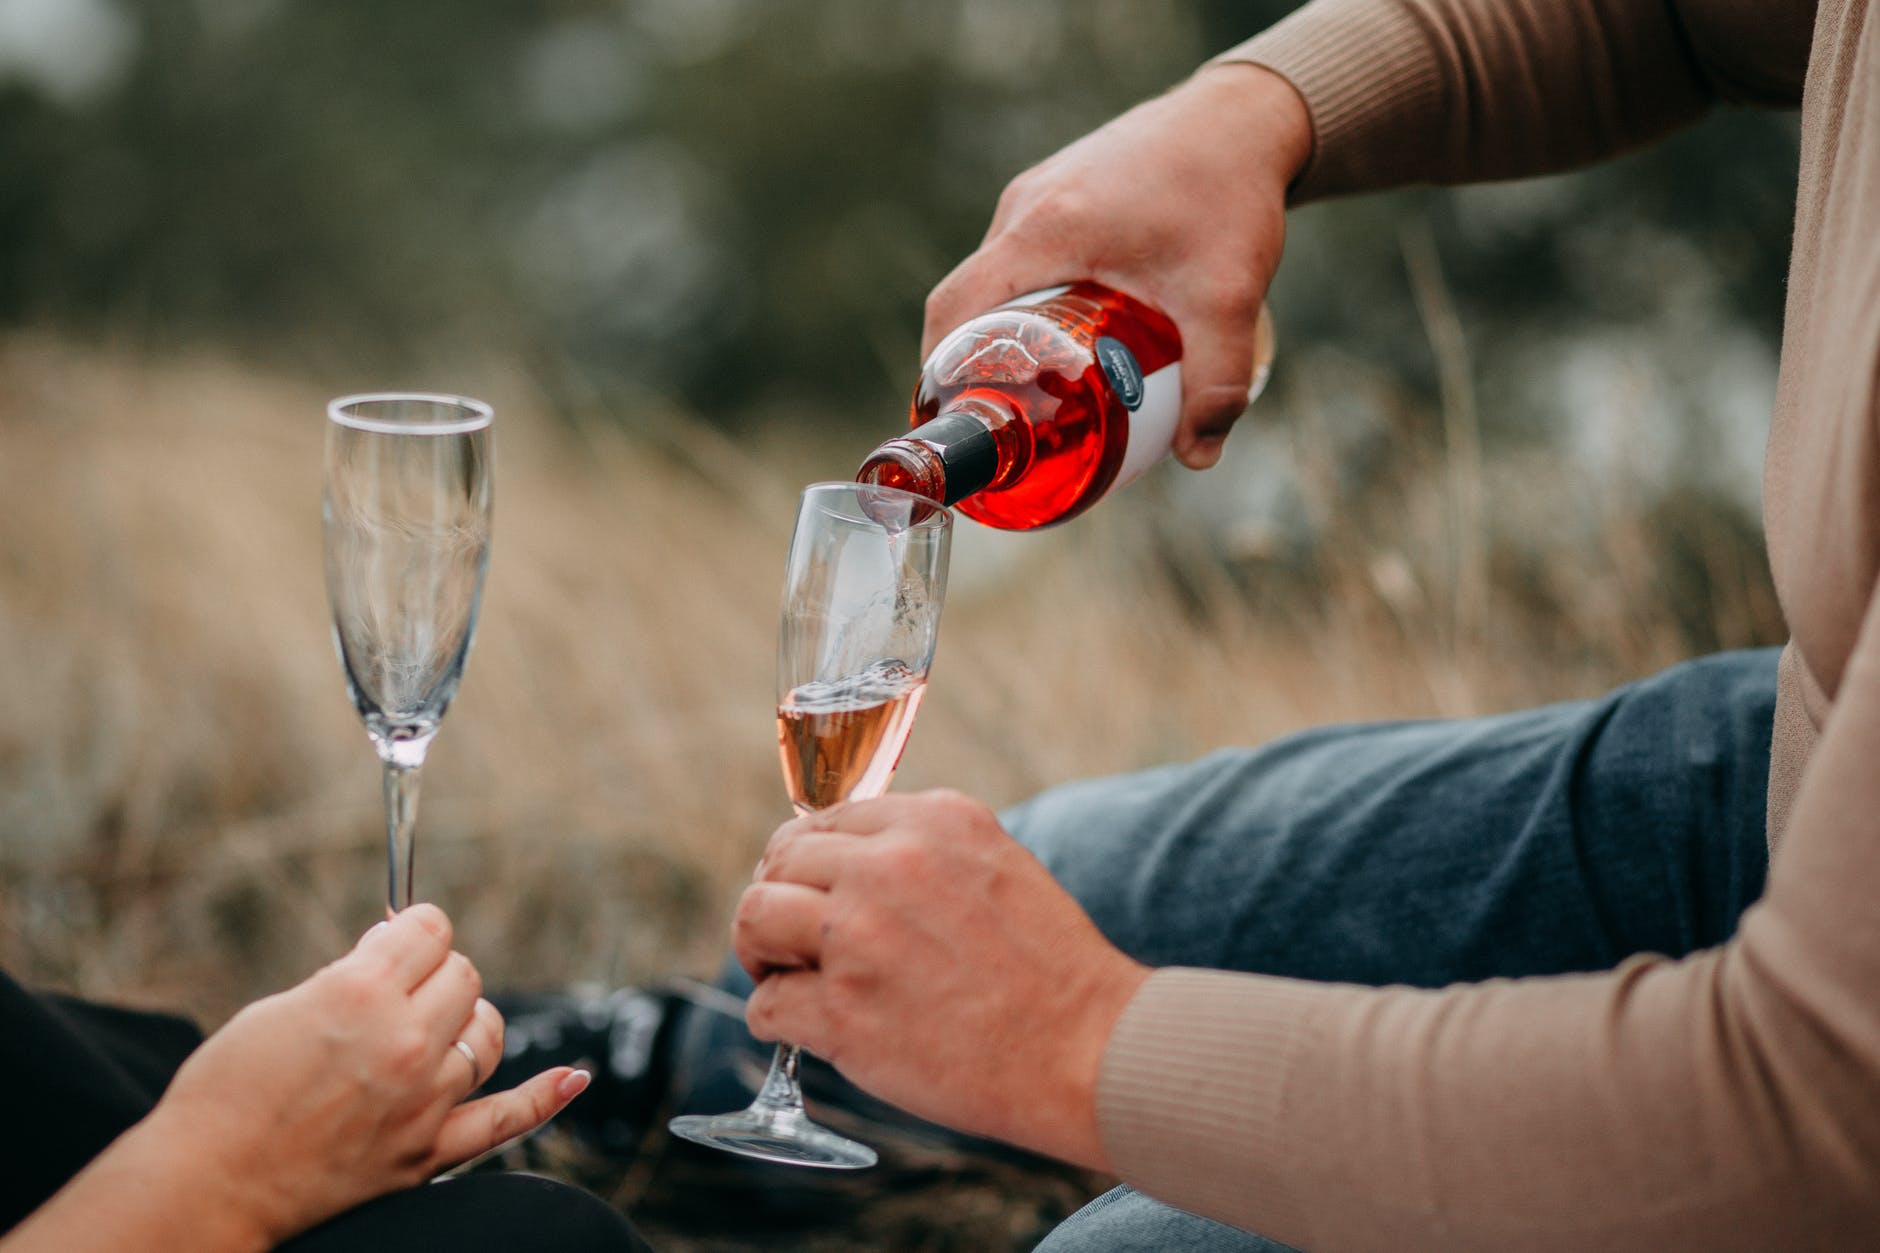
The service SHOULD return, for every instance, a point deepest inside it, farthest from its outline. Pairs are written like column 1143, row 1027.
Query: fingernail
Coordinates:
column 573, row 1084
column 374, row 928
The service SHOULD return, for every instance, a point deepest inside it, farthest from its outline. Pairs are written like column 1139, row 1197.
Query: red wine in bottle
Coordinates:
column 1029, row 414
column 842, row 738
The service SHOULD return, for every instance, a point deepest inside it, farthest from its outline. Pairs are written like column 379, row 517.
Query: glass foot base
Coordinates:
column 786, row 1136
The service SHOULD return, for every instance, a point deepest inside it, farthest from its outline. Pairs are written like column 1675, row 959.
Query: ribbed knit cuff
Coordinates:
column 1793, row 740
column 1371, row 83
column 1192, row 1098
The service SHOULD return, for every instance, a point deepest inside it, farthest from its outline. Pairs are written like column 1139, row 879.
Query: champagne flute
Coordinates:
column 861, row 611
column 406, row 515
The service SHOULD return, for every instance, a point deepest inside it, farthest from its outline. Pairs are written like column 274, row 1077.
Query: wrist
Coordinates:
column 1104, row 1002
column 215, row 1199
column 150, row 1191
column 1269, row 109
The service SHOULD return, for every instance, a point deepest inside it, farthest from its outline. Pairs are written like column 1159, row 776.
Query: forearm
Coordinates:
column 1720, row 1102
column 144, row 1192
column 1619, row 1112
column 1448, row 91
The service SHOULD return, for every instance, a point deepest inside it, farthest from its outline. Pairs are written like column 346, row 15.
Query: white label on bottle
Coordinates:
column 1036, row 297
column 1152, row 425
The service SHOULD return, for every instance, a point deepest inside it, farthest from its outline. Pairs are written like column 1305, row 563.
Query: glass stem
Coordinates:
column 401, row 851
column 781, row 1093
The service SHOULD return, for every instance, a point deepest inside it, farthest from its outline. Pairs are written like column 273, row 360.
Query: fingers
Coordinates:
column 489, row 1021
column 1217, row 376
column 869, row 817
column 837, row 818
column 784, row 1006
column 476, row 1127
column 811, row 858
column 779, row 925
column 821, row 820
column 843, row 821
column 988, row 278
column 445, row 1000
column 474, row 1051
column 410, row 946
column 1202, row 436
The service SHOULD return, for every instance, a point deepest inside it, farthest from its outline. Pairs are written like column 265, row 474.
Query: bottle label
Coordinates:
column 1152, row 422
column 1119, row 366
column 1153, row 400
column 1036, row 297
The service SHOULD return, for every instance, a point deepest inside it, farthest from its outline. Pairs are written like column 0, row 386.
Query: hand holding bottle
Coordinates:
column 1179, row 202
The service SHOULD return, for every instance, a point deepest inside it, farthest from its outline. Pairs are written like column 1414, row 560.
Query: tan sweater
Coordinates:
column 1730, row 1100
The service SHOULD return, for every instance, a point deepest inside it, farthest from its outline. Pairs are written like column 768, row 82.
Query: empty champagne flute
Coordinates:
column 862, row 592
column 406, row 515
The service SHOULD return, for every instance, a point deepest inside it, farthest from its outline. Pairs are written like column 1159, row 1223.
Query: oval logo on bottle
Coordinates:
column 1119, row 366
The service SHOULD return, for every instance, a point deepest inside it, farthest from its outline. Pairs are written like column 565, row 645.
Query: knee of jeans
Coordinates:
column 1063, row 825
column 1076, row 1233
column 1057, row 828
column 1124, row 1219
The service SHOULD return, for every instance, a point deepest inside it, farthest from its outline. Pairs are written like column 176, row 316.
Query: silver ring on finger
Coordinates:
column 470, row 1055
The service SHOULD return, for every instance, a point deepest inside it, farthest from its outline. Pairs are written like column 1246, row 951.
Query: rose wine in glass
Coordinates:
column 1029, row 414
column 862, row 591
column 406, row 520
column 842, row 738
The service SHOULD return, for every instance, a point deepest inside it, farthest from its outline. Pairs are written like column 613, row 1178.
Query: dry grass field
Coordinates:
column 189, row 811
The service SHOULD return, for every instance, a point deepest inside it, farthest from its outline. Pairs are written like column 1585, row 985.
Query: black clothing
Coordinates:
column 74, row 1076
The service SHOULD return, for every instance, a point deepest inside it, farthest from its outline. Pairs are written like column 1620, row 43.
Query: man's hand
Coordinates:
column 929, row 957
column 1179, row 202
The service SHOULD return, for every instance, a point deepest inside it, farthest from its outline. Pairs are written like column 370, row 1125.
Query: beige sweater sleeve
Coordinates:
column 1727, row 1101
column 1447, row 91
column 1730, row 1100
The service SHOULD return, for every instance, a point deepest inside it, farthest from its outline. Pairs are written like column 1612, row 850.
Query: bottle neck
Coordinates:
column 949, row 457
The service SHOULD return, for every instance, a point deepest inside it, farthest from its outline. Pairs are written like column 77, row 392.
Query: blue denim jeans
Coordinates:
column 1557, row 839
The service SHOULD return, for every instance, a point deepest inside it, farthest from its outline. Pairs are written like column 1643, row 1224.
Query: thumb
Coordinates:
column 986, row 279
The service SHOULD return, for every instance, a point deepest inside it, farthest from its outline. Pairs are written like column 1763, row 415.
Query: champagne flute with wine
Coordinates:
column 862, row 592
column 406, row 515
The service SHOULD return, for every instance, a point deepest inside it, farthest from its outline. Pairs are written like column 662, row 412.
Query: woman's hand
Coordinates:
column 1179, row 202
column 935, row 962
column 309, row 1102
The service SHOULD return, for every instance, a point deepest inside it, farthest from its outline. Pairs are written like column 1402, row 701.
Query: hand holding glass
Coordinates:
column 861, row 612
column 407, row 526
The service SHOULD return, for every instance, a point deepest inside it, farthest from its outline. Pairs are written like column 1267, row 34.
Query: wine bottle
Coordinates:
column 1029, row 414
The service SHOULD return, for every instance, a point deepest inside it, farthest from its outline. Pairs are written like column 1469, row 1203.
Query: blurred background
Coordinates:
column 1510, row 454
